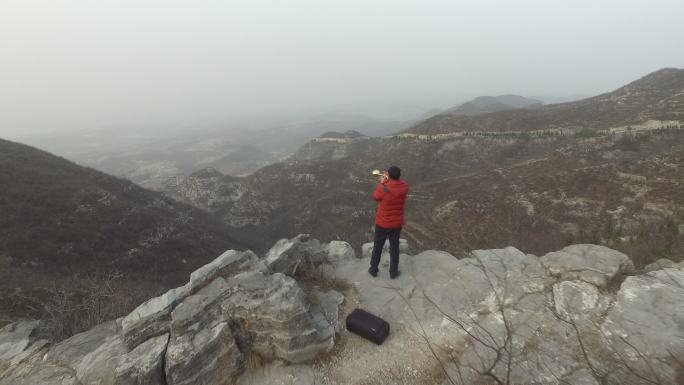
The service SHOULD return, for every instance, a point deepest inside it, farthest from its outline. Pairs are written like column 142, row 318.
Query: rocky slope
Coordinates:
column 580, row 315
column 62, row 224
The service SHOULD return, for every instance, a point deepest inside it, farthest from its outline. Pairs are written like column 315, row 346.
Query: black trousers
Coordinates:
column 381, row 234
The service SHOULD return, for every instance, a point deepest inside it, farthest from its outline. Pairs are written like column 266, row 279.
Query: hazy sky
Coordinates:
column 90, row 63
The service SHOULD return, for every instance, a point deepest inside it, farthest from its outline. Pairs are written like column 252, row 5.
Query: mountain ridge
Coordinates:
column 656, row 96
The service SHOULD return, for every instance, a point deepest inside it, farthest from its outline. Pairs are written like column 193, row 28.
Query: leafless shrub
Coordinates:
column 495, row 353
column 88, row 301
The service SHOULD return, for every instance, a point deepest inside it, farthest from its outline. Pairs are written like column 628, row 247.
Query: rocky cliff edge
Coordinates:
column 580, row 315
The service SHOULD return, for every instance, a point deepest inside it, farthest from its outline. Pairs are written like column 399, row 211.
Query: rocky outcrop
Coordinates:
column 199, row 333
column 208, row 355
column 646, row 325
column 144, row 365
column 577, row 316
column 597, row 265
column 289, row 254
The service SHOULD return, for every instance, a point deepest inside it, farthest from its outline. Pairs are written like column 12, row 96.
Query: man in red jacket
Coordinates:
column 391, row 195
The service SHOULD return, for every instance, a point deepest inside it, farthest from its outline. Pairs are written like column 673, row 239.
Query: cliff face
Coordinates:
column 580, row 315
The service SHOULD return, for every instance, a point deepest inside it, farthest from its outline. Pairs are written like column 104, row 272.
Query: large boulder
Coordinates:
column 594, row 264
column 339, row 251
column 209, row 356
column 227, row 264
column 152, row 317
column 645, row 327
column 92, row 355
column 287, row 255
column 18, row 340
column 662, row 263
column 84, row 359
column 274, row 315
column 39, row 373
column 144, row 364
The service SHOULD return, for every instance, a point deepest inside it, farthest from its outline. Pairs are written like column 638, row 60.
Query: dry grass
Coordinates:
column 89, row 301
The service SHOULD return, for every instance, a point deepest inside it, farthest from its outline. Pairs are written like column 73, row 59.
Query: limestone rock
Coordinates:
column 151, row 318
column 578, row 301
column 327, row 305
column 144, row 364
column 39, row 373
column 16, row 338
column 662, row 263
column 227, row 264
column 594, row 264
column 289, row 254
column 201, row 309
column 339, row 251
column 208, row 357
column 92, row 355
column 646, row 325
column 273, row 314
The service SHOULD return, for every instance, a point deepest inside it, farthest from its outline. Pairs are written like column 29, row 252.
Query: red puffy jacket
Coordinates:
column 391, row 196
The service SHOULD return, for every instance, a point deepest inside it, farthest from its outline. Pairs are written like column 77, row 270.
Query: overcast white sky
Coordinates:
column 82, row 64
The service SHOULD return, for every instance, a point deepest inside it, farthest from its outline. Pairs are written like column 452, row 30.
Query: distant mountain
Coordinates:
column 60, row 222
column 487, row 104
column 657, row 96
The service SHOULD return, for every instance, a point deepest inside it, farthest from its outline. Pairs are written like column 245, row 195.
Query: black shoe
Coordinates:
column 395, row 274
column 372, row 272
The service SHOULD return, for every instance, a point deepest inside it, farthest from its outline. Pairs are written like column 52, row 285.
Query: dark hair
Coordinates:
column 394, row 172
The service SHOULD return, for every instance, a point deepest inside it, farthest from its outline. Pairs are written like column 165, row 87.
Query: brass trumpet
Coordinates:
column 379, row 173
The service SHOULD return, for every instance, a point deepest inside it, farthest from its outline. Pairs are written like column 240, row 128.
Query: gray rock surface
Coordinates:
column 578, row 301
column 151, row 318
column 289, row 254
column 16, row 338
column 339, row 251
column 327, row 304
column 227, row 264
column 208, row 356
column 593, row 264
column 144, row 364
column 274, row 314
column 646, row 325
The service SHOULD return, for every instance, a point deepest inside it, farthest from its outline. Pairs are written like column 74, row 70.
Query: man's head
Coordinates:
column 394, row 172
